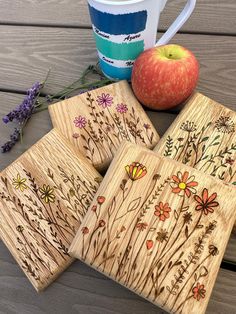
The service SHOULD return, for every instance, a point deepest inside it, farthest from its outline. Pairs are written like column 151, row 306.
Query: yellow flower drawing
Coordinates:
column 19, row 183
column 47, row 194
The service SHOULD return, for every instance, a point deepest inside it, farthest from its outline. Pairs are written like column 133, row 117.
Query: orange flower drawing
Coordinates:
column 141, row 226
column 206, row 203
column 149, row 244
column 162, row 211
column 183, row 184
column 199, row 292
column 136, row 171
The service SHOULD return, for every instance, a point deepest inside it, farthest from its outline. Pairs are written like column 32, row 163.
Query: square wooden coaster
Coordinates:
column 204, row 137
column 43, row 197
column 159, row 228
column 98, row 121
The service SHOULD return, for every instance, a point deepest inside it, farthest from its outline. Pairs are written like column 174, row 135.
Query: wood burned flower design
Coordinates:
column 101, row 223
column 19, row 183
column 199, row 292
column 85, row 230
column 20, row 228
column 121, row 108
column 101, row 199
column 149, row 244
column 162, row 211
column 183, row 184
column 80, row 122
column 187, row 218
column 225, row 125
column 105, row 100
column 188, row 126
column 47, row 194
column 162, row 235
column 206, row 203
column 136, row 171
column 141, row 226
column 213, row 250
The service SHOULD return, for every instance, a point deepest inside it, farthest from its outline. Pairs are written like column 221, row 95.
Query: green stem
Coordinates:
column 99, row 83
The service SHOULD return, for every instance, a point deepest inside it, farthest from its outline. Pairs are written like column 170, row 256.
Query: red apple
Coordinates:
column 164, row 76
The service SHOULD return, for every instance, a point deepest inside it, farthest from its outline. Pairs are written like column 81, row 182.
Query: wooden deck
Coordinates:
column 36, row 35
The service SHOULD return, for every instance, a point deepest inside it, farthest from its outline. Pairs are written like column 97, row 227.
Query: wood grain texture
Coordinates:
column 208, row 16
column 33, row 50
column 204, row 137
column 97, row 122
column 81, row 289
column 40, row 125
column 155, row 226
column 44, row 197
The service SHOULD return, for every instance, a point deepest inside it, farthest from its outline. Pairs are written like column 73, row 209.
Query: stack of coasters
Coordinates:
column 98, row 121
column 164, row 242
column 43, row 197
column 204, row 137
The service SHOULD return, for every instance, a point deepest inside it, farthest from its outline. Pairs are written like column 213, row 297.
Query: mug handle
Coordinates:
column 178, row 23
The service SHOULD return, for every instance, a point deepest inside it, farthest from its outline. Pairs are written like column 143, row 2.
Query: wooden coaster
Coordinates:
column 43, row 197
column 98, row 121
column 204, row 137
column 159, row 228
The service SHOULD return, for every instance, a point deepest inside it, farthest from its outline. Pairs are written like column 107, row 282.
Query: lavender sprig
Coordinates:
column 31, row 103
column 26, row 108
column 14, row 138
column 21, row 114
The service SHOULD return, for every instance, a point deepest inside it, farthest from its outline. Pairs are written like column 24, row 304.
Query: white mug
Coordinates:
column 125, row 28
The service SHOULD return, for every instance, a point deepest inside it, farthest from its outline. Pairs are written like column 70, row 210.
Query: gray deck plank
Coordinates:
column 209, row 16
column 26, row 53
column 83, row 290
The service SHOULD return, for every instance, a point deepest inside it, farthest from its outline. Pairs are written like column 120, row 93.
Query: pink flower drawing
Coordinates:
column 121, row 108
column 105, row 100
column 80, row 122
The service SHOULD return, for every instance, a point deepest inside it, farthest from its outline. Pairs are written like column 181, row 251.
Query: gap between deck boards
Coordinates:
column 161, row 30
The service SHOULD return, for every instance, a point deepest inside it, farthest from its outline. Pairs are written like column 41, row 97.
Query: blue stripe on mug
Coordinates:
column 123, row 51
column 115, row 72
column 118, row 24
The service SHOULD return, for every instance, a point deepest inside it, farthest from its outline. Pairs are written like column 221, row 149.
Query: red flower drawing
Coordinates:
column 199, row 292
column 183, row 184
column 162, row 211
column 101, row 199
column 206, row 203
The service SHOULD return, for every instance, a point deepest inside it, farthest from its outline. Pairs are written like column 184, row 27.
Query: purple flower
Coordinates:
column 14, row 137
column 105, row 100
column 75, row 135
column 146, row 126
column 80, row 122
column 121, row 108
column 26, row 108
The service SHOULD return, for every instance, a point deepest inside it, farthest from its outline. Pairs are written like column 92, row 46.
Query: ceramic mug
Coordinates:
column 124, row 28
